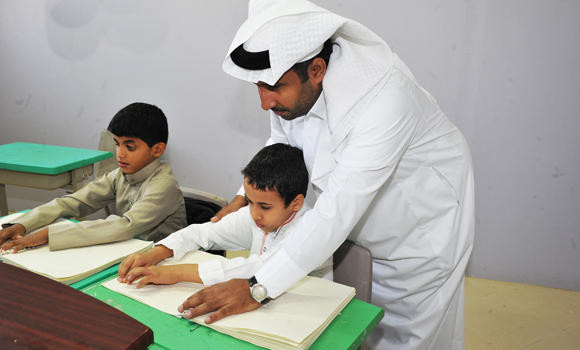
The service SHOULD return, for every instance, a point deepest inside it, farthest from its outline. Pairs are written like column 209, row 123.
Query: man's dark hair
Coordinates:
column 301, row 68
column 278, row 167
column 141, row 120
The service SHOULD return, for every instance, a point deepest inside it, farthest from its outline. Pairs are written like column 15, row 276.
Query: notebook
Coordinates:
column 71, row 265
column 292, row 321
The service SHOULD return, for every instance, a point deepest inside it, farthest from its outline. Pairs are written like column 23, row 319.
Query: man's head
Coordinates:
column 140, row 132
column 294, row 94
column 275, row 182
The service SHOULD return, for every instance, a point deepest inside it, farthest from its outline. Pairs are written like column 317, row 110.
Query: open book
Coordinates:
column 71, row 265
column 292, row 321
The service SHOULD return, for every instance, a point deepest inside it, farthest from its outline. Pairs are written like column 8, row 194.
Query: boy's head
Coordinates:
column 140, row 132
column 275, row 182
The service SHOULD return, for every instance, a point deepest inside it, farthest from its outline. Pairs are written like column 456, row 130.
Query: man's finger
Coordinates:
column 224, row 311
column 201, row 309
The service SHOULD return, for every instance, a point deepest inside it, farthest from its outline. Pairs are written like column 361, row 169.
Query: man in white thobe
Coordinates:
column 389, row 171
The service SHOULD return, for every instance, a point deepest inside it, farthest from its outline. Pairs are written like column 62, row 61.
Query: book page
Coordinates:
column 293, row 320
column 74, row 264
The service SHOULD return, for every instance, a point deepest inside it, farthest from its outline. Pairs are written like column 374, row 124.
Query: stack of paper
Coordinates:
column 71, row 265
column 292, row 321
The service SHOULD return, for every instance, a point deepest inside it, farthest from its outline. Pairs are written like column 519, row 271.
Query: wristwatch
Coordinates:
column 258, row 291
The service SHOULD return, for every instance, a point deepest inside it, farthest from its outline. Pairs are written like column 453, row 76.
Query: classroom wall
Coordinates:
column 505, row 72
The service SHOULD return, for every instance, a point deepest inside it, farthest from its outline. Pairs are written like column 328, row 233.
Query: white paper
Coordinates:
column 71, row 265
column 293, row 320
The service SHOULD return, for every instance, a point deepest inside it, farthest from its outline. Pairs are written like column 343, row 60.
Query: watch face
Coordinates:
column 259, row 292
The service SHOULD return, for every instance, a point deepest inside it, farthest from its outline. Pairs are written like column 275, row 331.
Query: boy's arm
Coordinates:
column 165, row 274
column 161, row 198
column 148, row 258
column 216, row 271
column 94, row 196
column 232, row 232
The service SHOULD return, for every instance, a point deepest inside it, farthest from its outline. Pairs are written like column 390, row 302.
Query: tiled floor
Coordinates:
column 504, row 315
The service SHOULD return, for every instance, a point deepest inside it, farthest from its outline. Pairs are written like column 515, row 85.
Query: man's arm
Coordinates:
column 236, row 203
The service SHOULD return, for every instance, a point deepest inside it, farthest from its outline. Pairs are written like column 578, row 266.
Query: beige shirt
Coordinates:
column 148, row 204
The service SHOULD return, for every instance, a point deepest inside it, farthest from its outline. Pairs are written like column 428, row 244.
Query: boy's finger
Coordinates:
column 126, row 266
column 145, row 281
column 136, row 273
column 7, row 246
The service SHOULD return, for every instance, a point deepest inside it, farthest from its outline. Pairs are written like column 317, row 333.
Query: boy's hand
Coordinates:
column 160, row 274
column 149, row 258
column 15, row 231
column 234, row 205
column 19, row 242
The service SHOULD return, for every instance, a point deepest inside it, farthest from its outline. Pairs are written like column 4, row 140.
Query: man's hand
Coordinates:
column 19, row 242
column 228, row 298
column 15, row 231
column 149, row 258
column 234, row 205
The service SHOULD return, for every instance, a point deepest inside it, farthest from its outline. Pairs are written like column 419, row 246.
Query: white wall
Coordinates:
column 506, row 72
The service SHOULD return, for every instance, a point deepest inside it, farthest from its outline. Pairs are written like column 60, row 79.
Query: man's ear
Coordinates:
column 317, row 70
column 297, row 202
column 158, row 149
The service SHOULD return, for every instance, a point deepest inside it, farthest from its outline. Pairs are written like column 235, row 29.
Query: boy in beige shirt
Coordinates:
column 148, row 202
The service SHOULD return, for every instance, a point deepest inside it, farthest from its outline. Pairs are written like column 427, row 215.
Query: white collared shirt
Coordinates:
column 303, row 132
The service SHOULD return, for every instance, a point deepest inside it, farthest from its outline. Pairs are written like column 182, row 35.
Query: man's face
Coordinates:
column 267, row 207
column 289, row 98
column 133, row 153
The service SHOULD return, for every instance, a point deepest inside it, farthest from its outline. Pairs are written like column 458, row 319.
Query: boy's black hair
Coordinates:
column 278, row 167
column 301, row 68
column 141, row 120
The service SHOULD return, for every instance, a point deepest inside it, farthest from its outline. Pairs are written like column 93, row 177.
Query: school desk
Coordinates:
column 39, row 313
column 347, row 331
column 44, row 167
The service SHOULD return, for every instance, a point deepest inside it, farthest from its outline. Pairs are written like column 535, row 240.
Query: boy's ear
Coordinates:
column 158, row 149
column 297, row 202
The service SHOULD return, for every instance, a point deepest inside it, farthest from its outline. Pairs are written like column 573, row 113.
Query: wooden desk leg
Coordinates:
column 3, row 201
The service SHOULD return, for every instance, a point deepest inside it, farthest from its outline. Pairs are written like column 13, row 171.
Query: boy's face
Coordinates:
column 133, row 153
column 267, row 207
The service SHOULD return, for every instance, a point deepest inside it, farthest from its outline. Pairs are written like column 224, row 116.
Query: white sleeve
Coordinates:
column 233, row 231
column 217, row 271
column 368, row 158
column 221, row 270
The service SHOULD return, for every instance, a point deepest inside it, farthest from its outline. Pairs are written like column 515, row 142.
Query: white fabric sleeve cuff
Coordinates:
column 275, row 282
column 211, row 272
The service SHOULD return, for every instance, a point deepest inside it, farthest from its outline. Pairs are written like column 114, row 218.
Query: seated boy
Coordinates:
column 275, row 184
column 148, row 202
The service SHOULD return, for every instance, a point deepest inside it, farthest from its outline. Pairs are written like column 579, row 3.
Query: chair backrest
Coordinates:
column 353, row 267
column 200, row 207
column 106, row 143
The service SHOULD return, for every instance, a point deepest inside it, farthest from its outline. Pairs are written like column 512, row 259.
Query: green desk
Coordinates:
column 347, row 331
column 44, row 167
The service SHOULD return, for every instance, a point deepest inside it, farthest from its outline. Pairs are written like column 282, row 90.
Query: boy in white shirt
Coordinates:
column 275, row 184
